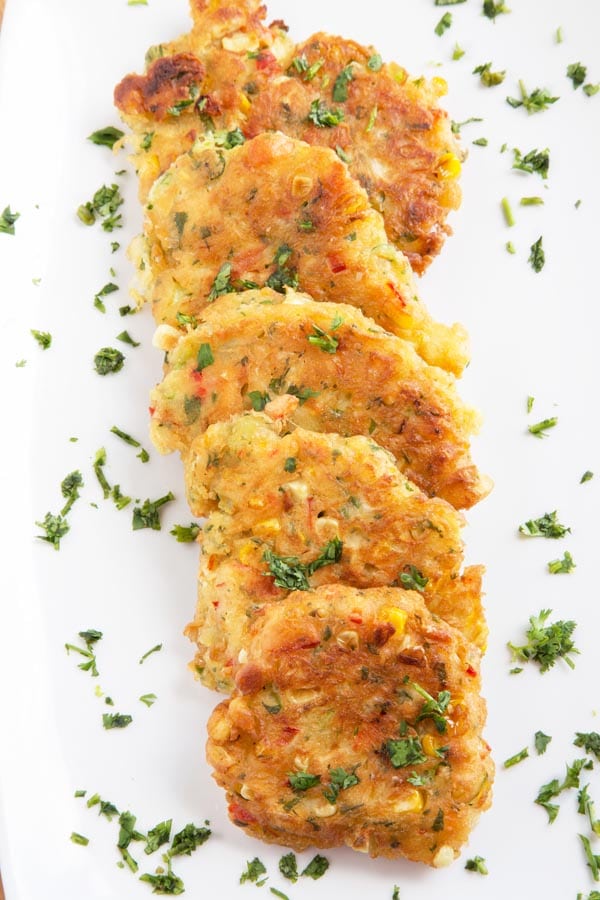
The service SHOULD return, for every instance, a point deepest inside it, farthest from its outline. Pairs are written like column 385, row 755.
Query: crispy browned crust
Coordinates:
column 275, row 195
column 345, row 489
column 329, row 680
column 167, row 82
column 263, row 345
column 397, row 140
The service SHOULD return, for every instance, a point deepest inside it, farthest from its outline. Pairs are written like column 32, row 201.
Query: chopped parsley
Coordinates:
column 116, row 720
column 229, row 139
column 546, row 643
column 284, row 275
column 106, row 137
column 593, row 860
column 109, row 288
column 157, row 836
column 69, row 488
column 90, row 637
column 258, row 399
column 562, row 566
column 546, row 526
column 577, row 73
column 507, row 212
column 148, row 699
column 339, row 780
column 590, row 90
column 104, row 205
column 185, row 534
column 413, row 580
column 108, row 360
column 292, row 575
column 290, row 464
column 539, row 429
column 7, row 221
column 480, row 142
column 517, row 758
column 254, row 870
column 164, row 883
column 324, row 341
column 458, row 52
column 205, row 357
column 79, row 839
column 56, row 527
column 303, row 781
column 586, row 807
column 531, row 201
column 288, row 866
column 405, row 752
column 147, row 515
column 444, row 24
column 537, row 257
column 477, row 864
column 534, row 161
column 375, row 62
column 457, row 126
column 590, row 741
column 541, row 742
column 188, row 839
column 324, row 117
column 222, row 283
column 316, row 867
column 492, row 9
column 340, row 87
column 448, row 2
column 587, row 476
column 300, row 64
column 539, row 99
column 148, row 653
column 279, row 894
column 126, row 338
column 433, row 709
column 487, row 77
column 44, row 338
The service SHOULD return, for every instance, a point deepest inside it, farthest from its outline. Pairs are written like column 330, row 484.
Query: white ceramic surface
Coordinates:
column 532, row 334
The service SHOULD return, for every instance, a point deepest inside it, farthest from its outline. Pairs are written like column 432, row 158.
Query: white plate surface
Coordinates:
column 532, row 334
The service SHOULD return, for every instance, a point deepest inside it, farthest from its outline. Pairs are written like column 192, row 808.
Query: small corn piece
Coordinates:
column 246, row 792
column 347, row 640
column 324, row 810
column 256, row 502
column 396, row 617
column 439, row 85
column 429, row 746
column 444, row 857
column 247, row 553
column 449, row 166
column 301, row 186
column 413, row 801
column 269, row 526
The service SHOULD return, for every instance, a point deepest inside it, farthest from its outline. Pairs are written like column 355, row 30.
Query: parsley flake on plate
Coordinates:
column 546, row 526
column 106, row 137
column 477, row 864
column 116, row 720
column 537, row 257
column 537, row 101
column 539, row 429
column 185, row 534
column 107, row 361
column 546, row 643
column 254, row 870
column 324, row 117
column 560, row 566
column 444, row 24
column 316, row 867
column 288, row 866
column 44, row 338
column 7, row 221
column 147, row 515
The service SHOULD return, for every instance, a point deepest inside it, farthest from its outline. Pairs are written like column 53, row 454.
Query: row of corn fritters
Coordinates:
column 328, row 455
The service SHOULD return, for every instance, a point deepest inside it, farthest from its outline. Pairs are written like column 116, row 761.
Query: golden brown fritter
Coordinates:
column 351, row 377
column 303, row 509
column 337, row 736
column 278, row 212
column 231, row 72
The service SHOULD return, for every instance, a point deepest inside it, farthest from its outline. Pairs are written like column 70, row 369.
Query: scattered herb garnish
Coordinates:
column 55, row 527
column 590, row 90
column 458, row 52
column 104, row 204
column 185, row 534
column 79, row 839
column 541, row 742
column 7, row 221
column 546, row 526
column 148, row 699
column 534, row 161
column 116, row 720
column 222, row 283
column 164, row 883
column 108, row 360
column 106, row 137
column 560, row 566
column 147, row 515
column 324, row 341
column 507, row 211
column 69, row 488
column 284, row 275
column 405, row 752
column 517, row 758
column 432, row 708
column 537, row 257
column 577, row 73
column 539, row 429
column 487, row 77
column 91, row 636
column 44, row 338
column 316, row 867
column 254, row 870
column 480, row 142
column 492, row 9
column 339, row 780
column 593, row 860
column 413, row 580
column 477, row 864
column 444, row 24
column 537, row 101
column 547, row 643
column 288, row 866
column 150, row 652
column 303, row 781
column 188, row 839
column 157, row 836
column 340, row 87
column 456, row 126
column 531, row 201
column 590, row 741
column 587, row 476
column 126, row 338
column 375, row 62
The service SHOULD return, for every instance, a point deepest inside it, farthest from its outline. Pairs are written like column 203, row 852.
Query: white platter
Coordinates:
column 532, row 334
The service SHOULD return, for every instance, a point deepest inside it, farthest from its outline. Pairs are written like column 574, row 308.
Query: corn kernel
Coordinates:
column 429, row 745
column 246, row 792
column 396, row 617
column 444, row 857
column 247, row 552
column 413, row 801
column 244, row 103
column 256, row 502
column 268, row 526
column 449, row 166
column 301, row 186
